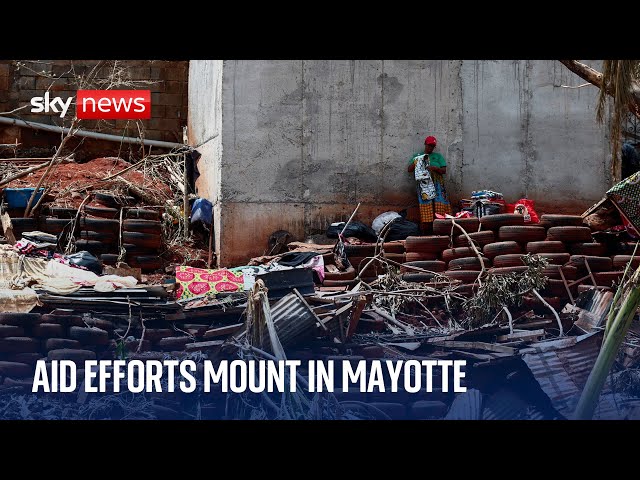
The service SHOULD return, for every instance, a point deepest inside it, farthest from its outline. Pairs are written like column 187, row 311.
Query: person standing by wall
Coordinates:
column 630, row 161
column 437, row 167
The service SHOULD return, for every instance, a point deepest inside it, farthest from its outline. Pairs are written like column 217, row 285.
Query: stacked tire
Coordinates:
column 100, row 233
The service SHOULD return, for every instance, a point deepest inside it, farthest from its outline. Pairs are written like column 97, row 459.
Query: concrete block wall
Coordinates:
column 20, row 80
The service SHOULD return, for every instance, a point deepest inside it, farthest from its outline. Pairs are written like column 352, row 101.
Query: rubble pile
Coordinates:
column 104, row 206
column 503, row 292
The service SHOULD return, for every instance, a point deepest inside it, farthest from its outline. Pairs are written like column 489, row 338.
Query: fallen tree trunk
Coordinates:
column 595, row 78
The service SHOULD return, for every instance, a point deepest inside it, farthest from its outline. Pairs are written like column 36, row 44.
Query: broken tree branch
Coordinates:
column 392, row 320
column 506, row 310
column 472, row 245
column 595, row 78
column 69, row 134
column 22, row 174
column 139, row 193
column 553, row 310
column 349, row 221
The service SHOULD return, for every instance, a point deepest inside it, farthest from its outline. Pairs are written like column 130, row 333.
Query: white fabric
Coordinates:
column 381, row 220
column 423, row 177
column 19, row 301
column 317, row 263
column 105, row 283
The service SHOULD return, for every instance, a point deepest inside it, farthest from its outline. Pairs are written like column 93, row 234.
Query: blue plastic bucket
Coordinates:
column 19, row 197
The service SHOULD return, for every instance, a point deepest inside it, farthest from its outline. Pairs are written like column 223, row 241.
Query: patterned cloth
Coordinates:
column 195, row 282
column 440, row 204
column 626, row 195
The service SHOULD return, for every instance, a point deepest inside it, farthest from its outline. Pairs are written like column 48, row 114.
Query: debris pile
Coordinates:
column 506, row 292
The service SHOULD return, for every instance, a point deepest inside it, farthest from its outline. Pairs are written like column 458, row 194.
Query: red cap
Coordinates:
column 430, row 140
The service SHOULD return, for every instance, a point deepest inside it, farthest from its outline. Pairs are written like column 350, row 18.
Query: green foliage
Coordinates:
column 505, row 290
column 121, row 350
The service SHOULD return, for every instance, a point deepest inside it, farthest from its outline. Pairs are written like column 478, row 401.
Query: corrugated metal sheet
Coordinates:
column 596, row 302
column 293, row 319
column 506, row 405
column 466, row 406
column 562, row 374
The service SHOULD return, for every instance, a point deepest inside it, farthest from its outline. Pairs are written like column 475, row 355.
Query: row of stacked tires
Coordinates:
column 98, row 231
column 501, row 241
column 359, row 257
column 62, row 334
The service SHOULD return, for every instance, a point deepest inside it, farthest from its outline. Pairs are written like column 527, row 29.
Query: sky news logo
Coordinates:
column 99, row 104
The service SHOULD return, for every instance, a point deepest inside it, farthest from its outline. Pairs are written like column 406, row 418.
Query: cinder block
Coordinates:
column 156, row 73
column 171, row 99
column 159, row 111
column 139, row 73
column 164, row 124
column 43, row 83
column 179, row 73
column 25, row 83
column 174, row 87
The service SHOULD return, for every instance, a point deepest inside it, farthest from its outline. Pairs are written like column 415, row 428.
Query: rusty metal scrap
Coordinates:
column 562, row 370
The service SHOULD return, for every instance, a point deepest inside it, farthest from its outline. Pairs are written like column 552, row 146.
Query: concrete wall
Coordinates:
column 525, row 135
column 304, row 141
column 204, row 127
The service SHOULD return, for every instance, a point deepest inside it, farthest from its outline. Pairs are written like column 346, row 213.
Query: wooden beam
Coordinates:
column 7, row 228
column 533, row 335
column 222, row 331
column 475, row 346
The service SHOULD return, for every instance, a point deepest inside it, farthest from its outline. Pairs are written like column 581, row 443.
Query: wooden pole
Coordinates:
column 185, row 202
column 210, row 243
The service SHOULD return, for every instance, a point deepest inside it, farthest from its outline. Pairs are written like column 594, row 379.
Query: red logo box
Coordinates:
column 113, row 104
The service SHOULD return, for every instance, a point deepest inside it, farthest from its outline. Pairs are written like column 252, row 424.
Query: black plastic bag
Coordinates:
column 481, row 209
column 400, row 229
column 86, row 260
column 355, row 229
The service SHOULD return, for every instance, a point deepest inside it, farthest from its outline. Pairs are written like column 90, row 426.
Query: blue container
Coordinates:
column 19, row 197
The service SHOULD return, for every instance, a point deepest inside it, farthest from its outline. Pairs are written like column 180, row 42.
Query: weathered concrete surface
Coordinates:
column 327, row 135
column 205, row 123
column 304, row 141
column 204, row 128
column 525, row 135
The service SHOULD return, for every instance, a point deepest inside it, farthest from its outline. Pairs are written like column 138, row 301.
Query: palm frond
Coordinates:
column 617, row 79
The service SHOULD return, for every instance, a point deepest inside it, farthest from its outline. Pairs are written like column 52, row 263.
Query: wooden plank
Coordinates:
column 564, row 280
column 593, row 279
column 355, row 316
column 223, row 331
column 7, row 228
column 536, row 324
column 475, row 346
column 210, row 345
column 304, row 302
column 533, row 335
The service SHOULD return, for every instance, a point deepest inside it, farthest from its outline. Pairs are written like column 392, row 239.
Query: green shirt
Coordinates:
column 435, row 159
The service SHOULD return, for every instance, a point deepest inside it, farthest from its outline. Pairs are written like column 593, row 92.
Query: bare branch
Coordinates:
column 577, row 86
column 584, row 71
